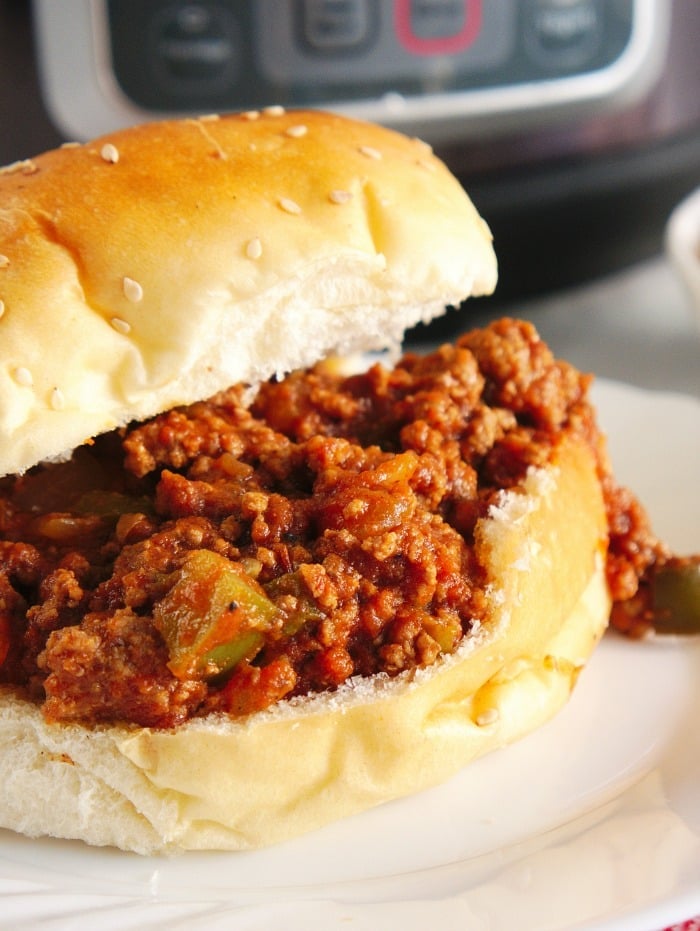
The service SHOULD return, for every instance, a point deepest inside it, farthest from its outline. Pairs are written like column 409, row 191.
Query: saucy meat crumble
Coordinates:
column 237, row 551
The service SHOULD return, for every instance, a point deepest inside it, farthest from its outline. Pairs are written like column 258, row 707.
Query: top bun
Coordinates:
column 160, row 264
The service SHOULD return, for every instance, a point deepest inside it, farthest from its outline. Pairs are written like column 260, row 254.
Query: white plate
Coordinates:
column 593, row 821
column 683, row 245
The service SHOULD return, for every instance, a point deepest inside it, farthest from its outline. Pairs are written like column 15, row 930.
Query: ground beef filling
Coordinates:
column 226, row 555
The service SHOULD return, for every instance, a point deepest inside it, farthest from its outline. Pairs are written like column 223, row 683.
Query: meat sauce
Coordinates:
column 235, row 552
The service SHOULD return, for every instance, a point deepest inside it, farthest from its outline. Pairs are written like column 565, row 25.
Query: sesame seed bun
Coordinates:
column 131, row 266
column 158, row 265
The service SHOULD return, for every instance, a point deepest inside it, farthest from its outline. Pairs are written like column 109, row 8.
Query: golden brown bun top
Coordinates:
column 160, row 264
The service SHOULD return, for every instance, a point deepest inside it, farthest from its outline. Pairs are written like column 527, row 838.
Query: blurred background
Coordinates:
column 574, row 124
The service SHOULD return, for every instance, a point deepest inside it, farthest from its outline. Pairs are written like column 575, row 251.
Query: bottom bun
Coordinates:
column 217, row 783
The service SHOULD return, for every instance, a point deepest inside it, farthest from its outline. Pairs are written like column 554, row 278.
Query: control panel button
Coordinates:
column 563, row 33
column 195, row 44
column 335, row 25
column 437, row 27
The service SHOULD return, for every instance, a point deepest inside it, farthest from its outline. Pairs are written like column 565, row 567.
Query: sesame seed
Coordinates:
column 289, row 206
column 254, row 249
column 296, row 131
column 209, row 117
column 370, row 152
column 132, row 290
column 57, row 399
column 121, row 326
column 340, row 197
column 490, row 716
column 25, row 166
column 2, row 308
column 109, row 153
column 4, row 261
column 70, row 145
column 250, row 115
column 23, row 376
column 275, row 110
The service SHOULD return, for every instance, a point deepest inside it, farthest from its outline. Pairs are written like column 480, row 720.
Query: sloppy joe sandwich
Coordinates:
column 244, row 589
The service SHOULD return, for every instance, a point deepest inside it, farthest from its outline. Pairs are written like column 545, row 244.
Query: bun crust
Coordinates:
column 158, row 265
column 219, row 783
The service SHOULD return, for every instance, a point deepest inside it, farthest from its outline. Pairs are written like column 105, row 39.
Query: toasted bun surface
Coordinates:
column 219, row 783
column 158, row 265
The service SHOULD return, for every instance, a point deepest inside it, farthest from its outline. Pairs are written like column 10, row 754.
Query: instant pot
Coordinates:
column 574, row 124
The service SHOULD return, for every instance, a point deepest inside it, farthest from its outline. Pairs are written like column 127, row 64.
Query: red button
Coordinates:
column 457, row 24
